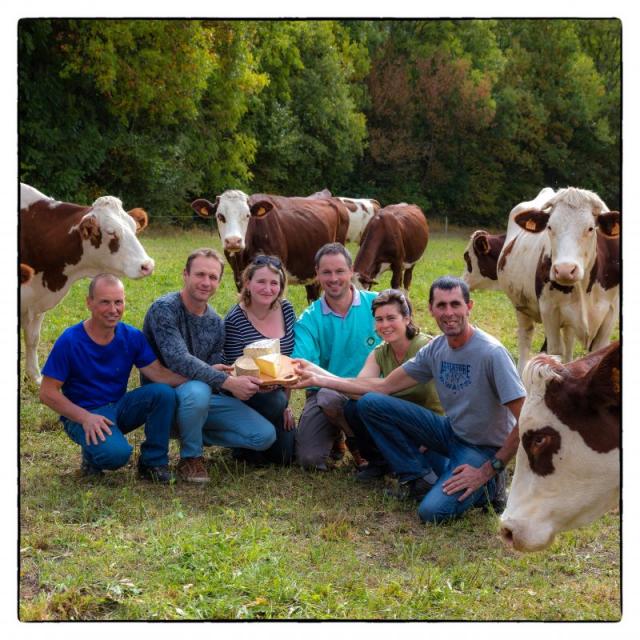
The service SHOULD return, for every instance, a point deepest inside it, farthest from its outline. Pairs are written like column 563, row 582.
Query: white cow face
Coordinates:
column 231, row 210
column 565, row 477
column 110, row 242
column 570, row 219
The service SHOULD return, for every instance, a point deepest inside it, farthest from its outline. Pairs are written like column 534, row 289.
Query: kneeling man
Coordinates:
column 85, row 381
column 188, row 337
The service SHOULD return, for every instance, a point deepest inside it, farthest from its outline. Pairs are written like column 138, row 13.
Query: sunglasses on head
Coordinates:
column 274, row 262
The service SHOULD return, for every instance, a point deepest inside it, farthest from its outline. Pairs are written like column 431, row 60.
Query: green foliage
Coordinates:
column 463, row 117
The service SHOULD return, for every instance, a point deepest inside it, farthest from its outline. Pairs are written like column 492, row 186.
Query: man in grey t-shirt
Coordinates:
column 187, row 335
column 480, row 391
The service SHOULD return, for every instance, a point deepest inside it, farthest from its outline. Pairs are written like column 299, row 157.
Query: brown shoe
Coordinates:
column 193, row 470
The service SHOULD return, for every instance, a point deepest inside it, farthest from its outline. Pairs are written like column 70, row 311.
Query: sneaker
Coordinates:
column 411, row 490
column 371, row 472
column 193, row 470
column 160, row 474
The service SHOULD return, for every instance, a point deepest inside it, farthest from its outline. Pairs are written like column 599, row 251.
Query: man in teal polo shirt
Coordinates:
column 336, row 332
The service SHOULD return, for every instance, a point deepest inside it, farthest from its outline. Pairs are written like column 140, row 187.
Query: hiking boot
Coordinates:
column 193, row 470
column 87, row 470
column 499, row 502
column 411, row 490
column 338, row 450
column 160, row 474
column 371, row 472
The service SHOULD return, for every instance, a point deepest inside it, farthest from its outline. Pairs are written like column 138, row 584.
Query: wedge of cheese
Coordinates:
column 262, row 348
column 246, row 367
column 270, row 364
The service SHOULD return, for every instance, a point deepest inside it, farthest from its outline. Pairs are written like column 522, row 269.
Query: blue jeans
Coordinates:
column 152, row 405
column 271, row 405
column 210, row 419
column 399, row 427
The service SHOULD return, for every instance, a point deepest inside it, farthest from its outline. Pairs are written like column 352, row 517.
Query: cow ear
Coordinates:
column 532, row 220
column 481, row 244
column 376, row 205
column 604, row 379
column 609, row 223
column 26, row 273
column 140, row 217
column 204, row 208
column 260, row 209
column 89, row 228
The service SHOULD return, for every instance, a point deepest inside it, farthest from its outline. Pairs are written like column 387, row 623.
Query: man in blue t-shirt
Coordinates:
column 85, row 381
column 481, row 393
column 336, row 332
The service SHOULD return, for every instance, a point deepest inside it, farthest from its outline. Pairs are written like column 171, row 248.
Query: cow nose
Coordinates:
column 565, row 272
column 507, row 535
column 233, row 244
column 147, row 267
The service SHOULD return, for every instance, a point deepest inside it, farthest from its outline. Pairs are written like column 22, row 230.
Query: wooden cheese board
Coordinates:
column 287, row 374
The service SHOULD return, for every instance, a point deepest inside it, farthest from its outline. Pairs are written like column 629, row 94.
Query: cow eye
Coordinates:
column 221, row 218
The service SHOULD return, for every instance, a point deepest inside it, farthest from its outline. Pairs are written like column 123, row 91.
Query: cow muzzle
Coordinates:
column 566, row 273
column 147, row 267
column 525, row 535
column 233, row 245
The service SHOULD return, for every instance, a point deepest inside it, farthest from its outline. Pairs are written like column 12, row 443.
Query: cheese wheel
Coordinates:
column 269, row 365
column 246, row 367
column 262, row 347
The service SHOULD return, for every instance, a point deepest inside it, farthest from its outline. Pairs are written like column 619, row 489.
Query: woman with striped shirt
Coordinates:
column 261, row 313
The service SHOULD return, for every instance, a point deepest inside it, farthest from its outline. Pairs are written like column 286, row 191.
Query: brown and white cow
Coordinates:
column 361, row 210
column 291, row 228
column 568, row 462
column 560, row 265
column 481, row 260
column 64, row 242
column 395, row 238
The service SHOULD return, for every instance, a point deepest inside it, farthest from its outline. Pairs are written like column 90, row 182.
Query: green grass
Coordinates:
column 278, row 543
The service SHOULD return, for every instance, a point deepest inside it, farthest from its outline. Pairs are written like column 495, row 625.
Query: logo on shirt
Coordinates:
column 455, row 376
column 371, row 341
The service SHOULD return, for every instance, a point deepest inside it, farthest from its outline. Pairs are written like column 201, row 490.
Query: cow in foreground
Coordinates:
column 291, row 228
column 560, row 265
column 568, row 462
column 395, row 238
column 64, row 242
column 481, row 260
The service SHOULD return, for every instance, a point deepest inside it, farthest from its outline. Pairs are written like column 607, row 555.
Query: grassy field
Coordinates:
column 278, row 543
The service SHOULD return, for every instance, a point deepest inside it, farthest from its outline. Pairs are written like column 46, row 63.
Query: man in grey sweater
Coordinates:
column 187, row 336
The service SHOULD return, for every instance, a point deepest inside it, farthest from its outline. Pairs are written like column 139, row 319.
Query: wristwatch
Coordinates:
column 497, row 464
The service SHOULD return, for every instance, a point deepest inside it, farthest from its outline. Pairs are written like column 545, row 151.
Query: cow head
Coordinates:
column 570, row 219
column 232, row 214
column 567, row 466
column 481, row 258
column 109, row 235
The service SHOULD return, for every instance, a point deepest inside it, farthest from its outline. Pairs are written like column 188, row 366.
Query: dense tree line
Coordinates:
column 463, row 117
